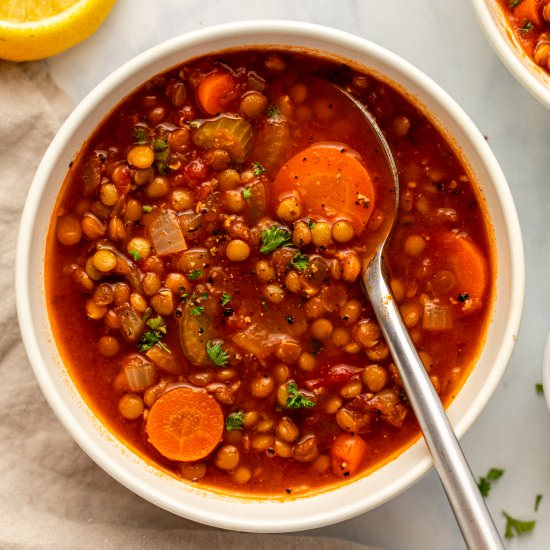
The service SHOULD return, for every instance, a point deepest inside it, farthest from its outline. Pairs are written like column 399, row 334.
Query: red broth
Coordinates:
column 203, row 263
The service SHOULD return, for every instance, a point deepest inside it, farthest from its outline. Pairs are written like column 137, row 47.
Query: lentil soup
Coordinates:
column 529, row 20
column 207, row 246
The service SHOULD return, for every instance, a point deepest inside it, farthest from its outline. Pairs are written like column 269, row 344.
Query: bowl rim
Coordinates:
column 332, row 38
column 522, row 67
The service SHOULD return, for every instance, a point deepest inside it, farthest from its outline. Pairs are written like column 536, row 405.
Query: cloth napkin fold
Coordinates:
column 52, row 496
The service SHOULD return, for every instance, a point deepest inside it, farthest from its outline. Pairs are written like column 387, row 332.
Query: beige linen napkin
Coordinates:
column 52, row 495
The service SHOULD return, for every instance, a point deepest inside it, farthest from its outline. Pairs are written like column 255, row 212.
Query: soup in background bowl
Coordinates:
column 519, row 34
column 210, row 345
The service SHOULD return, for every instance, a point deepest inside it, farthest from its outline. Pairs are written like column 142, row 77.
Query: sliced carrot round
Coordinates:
column 185, row 424
column 331, row 181
column 347, row 454
column 468, row 264
column 214, row 91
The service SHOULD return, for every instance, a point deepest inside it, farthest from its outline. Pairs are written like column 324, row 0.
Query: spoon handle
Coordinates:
column 469, row 508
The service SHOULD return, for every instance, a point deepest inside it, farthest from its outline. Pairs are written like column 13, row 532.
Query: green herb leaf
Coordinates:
column 514, row 3
column 135, row 255
column 140, row 135
column 159, row 145
column 234, row 421
column 272, row 111
column 162, row 346
column 196, row 311
column 185, row 296
column 195, row 274
column 258, row 168
column 247, row 193
column 484, row 487
column 299, row 262
column 295, row 399
column 517, row 527
column 484, row 483
column 273, row 238
column 311, row 223
column 538, row 498
column 526, row 27
column 157, row 323
column 217, row 354
column 147, row 208
column 539, row 388
column 225, row 299
column 162, row 154
column 153, row 336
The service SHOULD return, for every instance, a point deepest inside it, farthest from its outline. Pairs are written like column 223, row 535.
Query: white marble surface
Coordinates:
column 442, row 38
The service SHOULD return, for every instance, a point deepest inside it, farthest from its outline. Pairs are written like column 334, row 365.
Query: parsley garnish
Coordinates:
column 217, row 354
column 538, row 498
column 299, row 262
column 517, row 527
column 484, row 483
column 526, row 27
column 514, row 3
column 295, row 399
column 273, row 238
column 258, row 168
column 196, row 311
column 272, row 110
column 195, row 274
column 153, row 336
column 539, row 388
column 185, row 296
column 135, row 255
column 162, row 154
column 225, row 299
column 147, row 208
column 140, row 135
column 247, row 193
column 311, row 223
column 234, row 421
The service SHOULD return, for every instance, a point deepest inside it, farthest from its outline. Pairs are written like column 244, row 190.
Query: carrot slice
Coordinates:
column 185, row 424
column 467, row 263
column 347, row 453
column 529, row 10
column 331, row 181
column 214, row 91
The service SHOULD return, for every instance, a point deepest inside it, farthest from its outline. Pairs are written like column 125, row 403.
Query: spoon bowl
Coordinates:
column 469, row 508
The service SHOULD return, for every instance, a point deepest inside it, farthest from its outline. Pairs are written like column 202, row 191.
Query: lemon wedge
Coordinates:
column 35, row 29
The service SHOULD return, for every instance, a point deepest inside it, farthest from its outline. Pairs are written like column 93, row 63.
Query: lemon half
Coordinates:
column 35, row 29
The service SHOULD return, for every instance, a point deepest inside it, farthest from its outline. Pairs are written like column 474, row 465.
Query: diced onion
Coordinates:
column 258, row 340
column 163, row 359
column 166, row 233
column 131, row 324
column 437, row 317
column 124, row 266
column 140, row 373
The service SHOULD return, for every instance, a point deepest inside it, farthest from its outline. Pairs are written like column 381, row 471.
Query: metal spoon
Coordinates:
column 469, row 508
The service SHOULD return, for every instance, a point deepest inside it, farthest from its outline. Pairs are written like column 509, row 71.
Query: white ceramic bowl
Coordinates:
column 248, row 514
column 532, row 77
